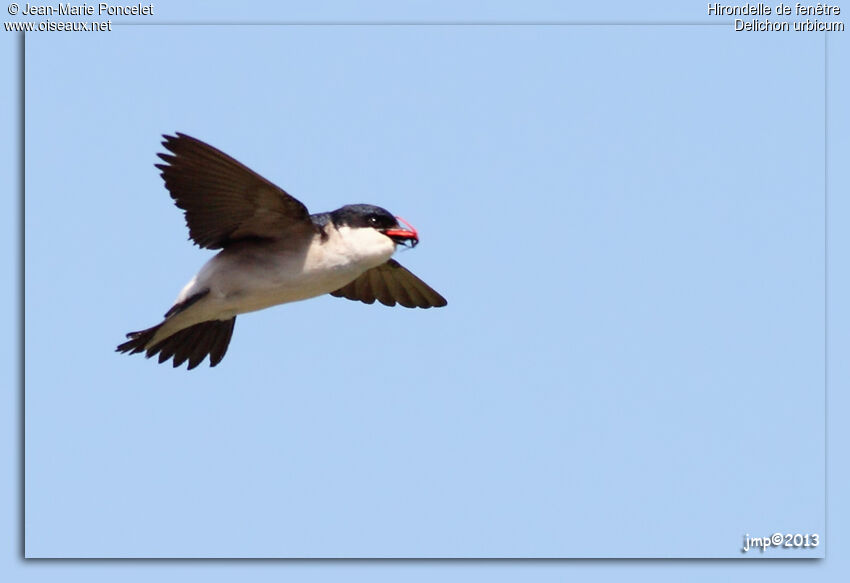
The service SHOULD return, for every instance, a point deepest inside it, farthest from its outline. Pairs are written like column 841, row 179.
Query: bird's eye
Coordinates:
column 373, row 220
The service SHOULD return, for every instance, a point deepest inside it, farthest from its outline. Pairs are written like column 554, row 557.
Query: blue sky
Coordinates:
column 628, row 223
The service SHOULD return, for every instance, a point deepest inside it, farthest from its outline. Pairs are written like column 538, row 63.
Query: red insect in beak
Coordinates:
column 403, row 235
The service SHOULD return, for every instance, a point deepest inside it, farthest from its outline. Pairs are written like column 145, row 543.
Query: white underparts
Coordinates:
column 251, row 276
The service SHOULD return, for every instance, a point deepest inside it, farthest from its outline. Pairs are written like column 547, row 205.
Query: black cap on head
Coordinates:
column 363, row 215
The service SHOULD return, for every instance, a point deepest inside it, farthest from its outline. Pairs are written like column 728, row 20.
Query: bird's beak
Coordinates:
column 403, row 235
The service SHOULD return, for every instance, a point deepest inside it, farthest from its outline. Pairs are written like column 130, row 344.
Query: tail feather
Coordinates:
column 182, row 346
column 138, row 340
column 196, row 350
column 218, row 348
column 193, row 343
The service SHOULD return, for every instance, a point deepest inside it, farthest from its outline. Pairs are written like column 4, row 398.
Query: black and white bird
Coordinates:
column 273, row 251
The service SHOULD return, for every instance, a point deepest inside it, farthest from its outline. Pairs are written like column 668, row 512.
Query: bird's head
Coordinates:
column 375, row 217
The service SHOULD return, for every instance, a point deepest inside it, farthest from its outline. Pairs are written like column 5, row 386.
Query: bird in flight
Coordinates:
column 273, row 251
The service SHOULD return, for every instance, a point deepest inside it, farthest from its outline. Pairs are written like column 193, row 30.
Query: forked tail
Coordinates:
column 193, row 343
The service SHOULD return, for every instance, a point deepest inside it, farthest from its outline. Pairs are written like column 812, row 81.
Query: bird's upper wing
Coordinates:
column 223, row 200
column 390, row 284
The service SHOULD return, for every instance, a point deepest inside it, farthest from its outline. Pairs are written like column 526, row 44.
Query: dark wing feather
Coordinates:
column 391, row 284
column 224, row 200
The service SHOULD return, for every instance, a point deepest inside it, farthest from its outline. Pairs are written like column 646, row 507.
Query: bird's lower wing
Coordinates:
column 391, row 284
